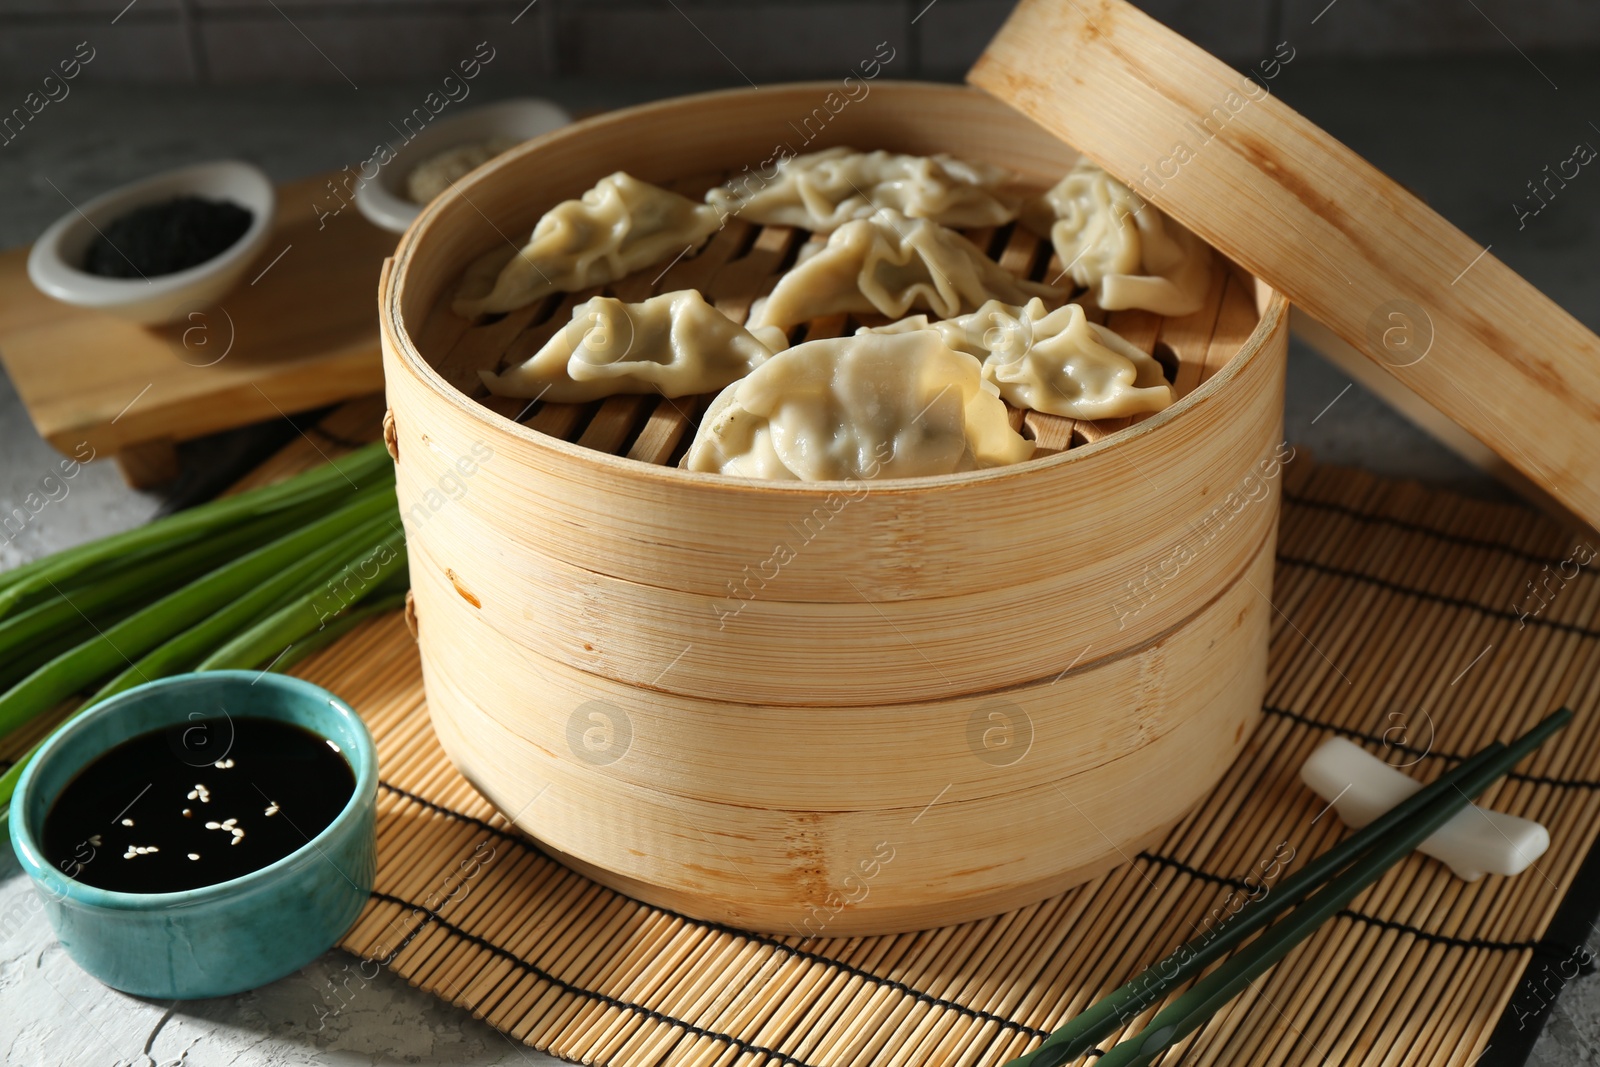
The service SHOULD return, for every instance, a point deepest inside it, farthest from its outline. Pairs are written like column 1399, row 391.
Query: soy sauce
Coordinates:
column 196, row 804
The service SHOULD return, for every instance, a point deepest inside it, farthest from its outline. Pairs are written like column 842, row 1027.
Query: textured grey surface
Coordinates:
column 325, row 1014
column 1465, row 133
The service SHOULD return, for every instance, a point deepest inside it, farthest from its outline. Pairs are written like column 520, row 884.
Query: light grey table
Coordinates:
column 1467, row 134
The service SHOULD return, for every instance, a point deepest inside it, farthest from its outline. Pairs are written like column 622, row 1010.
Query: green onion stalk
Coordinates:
column 79, row 610
column 269, row 606
column 312, row 611
column 317, row 490
column 150, row 626
column 187, row 649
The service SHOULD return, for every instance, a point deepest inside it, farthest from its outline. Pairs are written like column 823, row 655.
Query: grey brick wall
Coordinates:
column 374, row 41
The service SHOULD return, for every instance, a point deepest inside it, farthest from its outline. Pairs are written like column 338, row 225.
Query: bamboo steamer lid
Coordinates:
column 1443, row 323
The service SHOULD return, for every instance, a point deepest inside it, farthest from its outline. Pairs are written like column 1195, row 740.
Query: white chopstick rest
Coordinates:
column 1361, row 787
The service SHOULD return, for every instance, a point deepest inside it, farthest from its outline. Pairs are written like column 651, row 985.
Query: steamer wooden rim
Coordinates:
column 391, row 295
column 511, row 666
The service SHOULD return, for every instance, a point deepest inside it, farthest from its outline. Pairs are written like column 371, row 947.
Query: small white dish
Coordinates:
column 55, row 264
column 383, row 200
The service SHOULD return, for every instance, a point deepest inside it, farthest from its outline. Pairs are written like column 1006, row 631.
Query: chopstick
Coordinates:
column 1368, row 854
column 1190, row 1011
column 1094, row 1024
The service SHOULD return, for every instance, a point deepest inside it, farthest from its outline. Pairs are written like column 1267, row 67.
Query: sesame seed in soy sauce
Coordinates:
column 196, row 804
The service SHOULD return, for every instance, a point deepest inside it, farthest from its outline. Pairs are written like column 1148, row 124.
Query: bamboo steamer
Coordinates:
column 953, row 696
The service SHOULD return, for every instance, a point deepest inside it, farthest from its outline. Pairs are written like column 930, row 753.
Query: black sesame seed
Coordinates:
column 165, row 238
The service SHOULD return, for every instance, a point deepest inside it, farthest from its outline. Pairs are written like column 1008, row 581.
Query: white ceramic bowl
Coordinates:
column 55, row 264
column 383, row 200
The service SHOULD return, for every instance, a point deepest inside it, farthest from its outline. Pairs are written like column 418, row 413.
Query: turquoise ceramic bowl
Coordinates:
column 233, row 935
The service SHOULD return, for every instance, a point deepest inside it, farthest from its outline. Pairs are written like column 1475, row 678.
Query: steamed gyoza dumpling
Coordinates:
column 620, row 226
column 1125, row 251
column 675, row 344
column 868, row 406
column 822, row 191
column 891, row 264
column 1057, row 362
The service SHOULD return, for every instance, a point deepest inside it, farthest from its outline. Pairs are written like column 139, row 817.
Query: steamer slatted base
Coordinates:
column 742, row 262
column 1388, row 594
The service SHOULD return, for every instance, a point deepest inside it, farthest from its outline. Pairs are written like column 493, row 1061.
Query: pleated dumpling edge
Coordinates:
column 676, row 344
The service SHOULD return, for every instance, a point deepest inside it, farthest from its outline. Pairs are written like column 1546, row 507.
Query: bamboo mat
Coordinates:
column 1402, row 623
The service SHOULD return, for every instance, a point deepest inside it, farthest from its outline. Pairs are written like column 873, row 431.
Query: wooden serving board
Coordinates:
column 300, row 331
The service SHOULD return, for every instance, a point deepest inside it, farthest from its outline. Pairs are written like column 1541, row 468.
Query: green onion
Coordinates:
column 336, row 629
column 383, row 601
column 71, row 611
column 332, row 632
column 1190, row 1011
column 188, row 648
column 83, row 612
column 70, row 637
column 277, row 633
column 8, row 780
column 320, row 487
column 173, row 613
column 1094, row 1024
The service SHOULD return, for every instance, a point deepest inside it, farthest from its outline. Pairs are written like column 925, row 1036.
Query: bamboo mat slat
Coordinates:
column 1403, row 623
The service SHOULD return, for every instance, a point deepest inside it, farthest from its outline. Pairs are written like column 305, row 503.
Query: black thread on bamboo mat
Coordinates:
column 791, row 951
column 1452, row 757
column 1361, row 917
column 1438, row 598
column 576, row 990
column 1417, row 527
